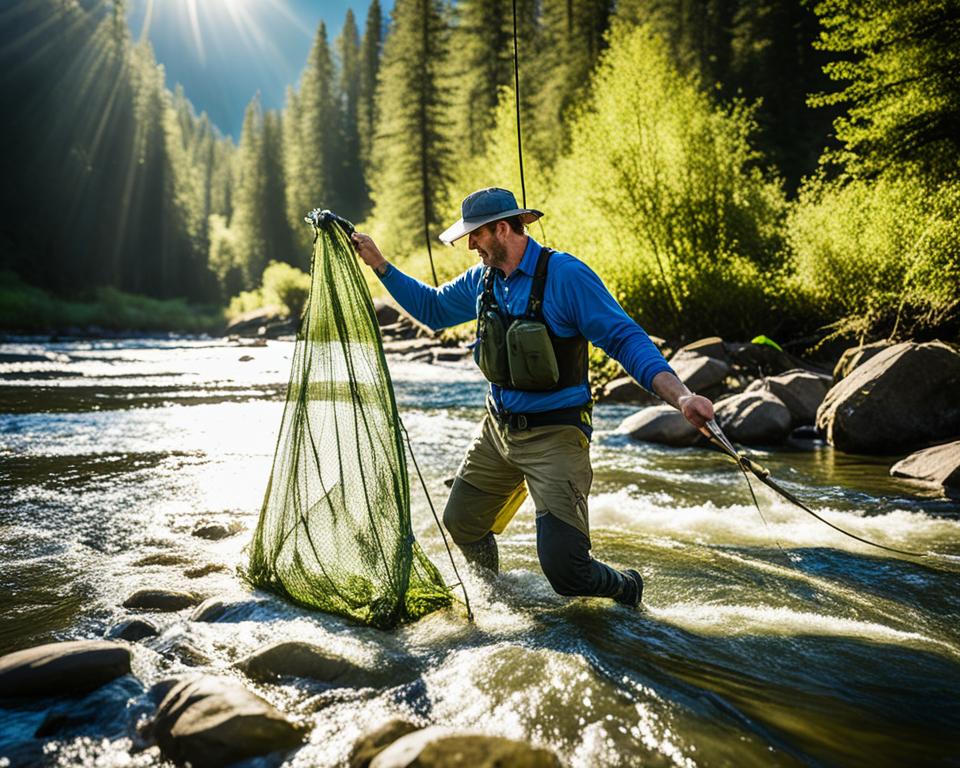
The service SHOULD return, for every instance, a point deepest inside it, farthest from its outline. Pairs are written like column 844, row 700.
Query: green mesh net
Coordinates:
column 334, row 531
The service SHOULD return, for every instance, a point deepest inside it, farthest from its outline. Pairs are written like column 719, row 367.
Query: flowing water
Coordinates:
column 761, row 642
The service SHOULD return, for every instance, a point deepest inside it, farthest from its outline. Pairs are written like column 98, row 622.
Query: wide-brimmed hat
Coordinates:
column 486, row 205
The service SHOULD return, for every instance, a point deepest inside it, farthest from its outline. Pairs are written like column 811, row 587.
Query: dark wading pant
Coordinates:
column 554, row 462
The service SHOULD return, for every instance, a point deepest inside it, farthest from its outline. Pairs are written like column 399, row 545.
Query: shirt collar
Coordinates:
column 528, row 264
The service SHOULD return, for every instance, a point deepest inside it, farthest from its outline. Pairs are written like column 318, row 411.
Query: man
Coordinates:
column 535, row 309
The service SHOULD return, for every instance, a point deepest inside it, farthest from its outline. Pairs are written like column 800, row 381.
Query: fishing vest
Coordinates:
column 521, row 352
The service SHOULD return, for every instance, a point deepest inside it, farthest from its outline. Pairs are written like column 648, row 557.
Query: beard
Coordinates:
column 496, row 256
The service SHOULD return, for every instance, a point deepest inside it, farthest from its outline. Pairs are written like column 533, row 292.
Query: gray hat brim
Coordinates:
column 466, row 226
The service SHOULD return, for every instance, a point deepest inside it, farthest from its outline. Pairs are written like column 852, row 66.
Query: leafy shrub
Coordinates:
column 664, row 196
column 878, row 258
column 286, row 286
column 282, row 286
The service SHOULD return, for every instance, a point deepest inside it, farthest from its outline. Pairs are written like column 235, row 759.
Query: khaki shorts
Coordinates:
column 554, row 461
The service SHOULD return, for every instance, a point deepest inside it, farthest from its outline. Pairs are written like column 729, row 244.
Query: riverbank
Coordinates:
column 25, row 309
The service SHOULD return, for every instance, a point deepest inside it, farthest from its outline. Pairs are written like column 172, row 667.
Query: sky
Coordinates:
column 224, row 51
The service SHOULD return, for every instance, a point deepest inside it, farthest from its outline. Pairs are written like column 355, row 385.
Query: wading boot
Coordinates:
column 631, row 590
column 483, row 553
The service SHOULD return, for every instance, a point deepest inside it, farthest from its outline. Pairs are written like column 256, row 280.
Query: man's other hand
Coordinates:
column 696, row 409
column 368, row 251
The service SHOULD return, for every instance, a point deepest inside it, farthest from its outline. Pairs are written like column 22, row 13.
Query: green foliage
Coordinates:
column 370, row 50
column 879, row 259
column 482, row 38
column 282, row 286
column 28, row 308
column 663, row 194
column 286, row 286
column 349, row 176
column 411, row 151
column 899, row 62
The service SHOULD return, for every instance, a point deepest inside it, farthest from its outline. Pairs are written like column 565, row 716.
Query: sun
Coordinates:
column 222, row 23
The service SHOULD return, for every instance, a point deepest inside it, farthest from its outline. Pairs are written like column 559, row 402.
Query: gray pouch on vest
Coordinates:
column 533, row 364
column 491, row 351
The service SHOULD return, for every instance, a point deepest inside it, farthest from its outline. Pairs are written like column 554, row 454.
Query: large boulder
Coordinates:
column 801, row 391
column 754, row 418
column 902, row 398
column 374, row 742
column 438, row 747
column 212, row 721
column 626, row 390
column 701, row 373
column 387, row 313
column 68, row 668
column 760, row 359
column 297, row 659
column 939, row 465
column 164, row 600
column 660, row 424
column 711, row 346
column 249, row 323
column 856, row 356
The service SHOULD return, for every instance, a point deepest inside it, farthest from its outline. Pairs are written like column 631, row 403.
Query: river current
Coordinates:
column 762, row 641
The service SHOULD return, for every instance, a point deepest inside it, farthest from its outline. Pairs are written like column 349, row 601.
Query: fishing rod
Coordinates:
column 747, row 464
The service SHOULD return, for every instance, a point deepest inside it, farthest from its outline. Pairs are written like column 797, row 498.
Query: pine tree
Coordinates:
column 411, row 147
column 570, row 42
column 312, row 140
column 370, row 51
column 247, row 224
column 351, row 189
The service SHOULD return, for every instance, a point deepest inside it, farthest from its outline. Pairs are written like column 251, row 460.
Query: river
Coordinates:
column 771, row 641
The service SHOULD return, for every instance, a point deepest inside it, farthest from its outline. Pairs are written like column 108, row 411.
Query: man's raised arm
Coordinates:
column 452, row 303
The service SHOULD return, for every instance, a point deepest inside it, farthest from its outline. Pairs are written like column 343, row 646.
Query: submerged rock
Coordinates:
column 161, row 600
column 660, row 424
column 801, row 391
column 373, row 743
column 217, row 531
column 754, row 418
column 214, row 609
column 297, row 659
column 77, row 666
column 204, row 570
column 902, row 398
column 437, row 747
column 939, row 465
column 161, row 558
column 133, row 630
column 212, row 721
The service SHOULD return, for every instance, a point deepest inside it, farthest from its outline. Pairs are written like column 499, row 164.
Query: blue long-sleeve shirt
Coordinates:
column 575, row 301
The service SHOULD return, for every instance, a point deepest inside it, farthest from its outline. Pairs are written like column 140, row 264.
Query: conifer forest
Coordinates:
column 733, row 167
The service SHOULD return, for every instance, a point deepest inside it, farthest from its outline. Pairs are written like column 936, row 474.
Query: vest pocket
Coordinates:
column 491, row 351
column 532, row 362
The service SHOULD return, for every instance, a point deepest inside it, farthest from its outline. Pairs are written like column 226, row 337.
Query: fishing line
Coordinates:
column 436, row 519
column 763, row 475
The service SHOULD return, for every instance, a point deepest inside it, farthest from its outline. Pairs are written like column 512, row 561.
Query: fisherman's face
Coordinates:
column 487, row 242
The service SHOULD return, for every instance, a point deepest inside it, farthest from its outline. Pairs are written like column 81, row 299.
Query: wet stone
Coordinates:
column 205, row 570
column 67, row 668
column 163, row 600
column 133, row 630
column 374, row 742
column 217, row 531
column 297, row 659
column 162, row 558
column 438, row 747
column 212, row 721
